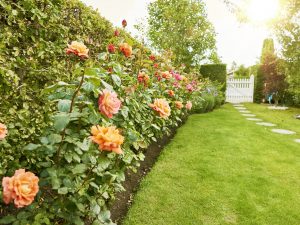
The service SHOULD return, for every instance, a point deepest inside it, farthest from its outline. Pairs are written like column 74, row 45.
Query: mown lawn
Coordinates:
column 222, row 169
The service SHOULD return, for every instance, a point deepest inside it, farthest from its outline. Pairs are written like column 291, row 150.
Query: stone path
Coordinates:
column 245, row 112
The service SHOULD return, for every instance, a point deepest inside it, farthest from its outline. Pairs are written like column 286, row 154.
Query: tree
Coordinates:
column 287, row 29
column 182, row 27
column 242, row 72
column 274, row 77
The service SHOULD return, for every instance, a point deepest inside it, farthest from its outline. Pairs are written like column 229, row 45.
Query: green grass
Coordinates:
column 222, row 169
column 284, row 119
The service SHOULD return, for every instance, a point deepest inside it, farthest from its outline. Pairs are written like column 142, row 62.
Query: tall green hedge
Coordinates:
column 215, row 72
column 33, row 38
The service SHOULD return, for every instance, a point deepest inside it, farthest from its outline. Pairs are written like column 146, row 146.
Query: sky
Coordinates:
column 237, row 42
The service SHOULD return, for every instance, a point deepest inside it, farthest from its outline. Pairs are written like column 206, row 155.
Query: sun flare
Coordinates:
column 262, row 10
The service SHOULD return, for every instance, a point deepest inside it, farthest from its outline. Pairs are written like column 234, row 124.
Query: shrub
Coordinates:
column 215, row 72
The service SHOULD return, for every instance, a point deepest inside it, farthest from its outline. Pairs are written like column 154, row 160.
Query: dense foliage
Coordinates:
column 270, row 80
column 287, row 29
column 182, row 27
column 215, row 72
column 75, row 117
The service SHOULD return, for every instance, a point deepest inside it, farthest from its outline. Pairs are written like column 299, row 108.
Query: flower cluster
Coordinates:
column 20, row 188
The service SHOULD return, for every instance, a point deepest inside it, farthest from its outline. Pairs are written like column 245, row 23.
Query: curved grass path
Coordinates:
column 222, row 169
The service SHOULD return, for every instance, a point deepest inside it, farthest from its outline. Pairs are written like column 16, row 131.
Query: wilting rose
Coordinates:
column 143, row 78
column 162, row 107
column 130, row 90
column 178, row 104
column 108, row 138
column 171, row 93
column 166, row 75
column 126, row 49
column 3, row 131
column 188, row 105
column 20, row 188
column 109, row 104
column 117, row 33
column 111, row 48
column 124, row 23
column 78, row 48
column 110, row 70
column 152, row 57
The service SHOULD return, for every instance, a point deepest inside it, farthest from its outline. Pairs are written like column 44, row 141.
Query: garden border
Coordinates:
column 124, row 200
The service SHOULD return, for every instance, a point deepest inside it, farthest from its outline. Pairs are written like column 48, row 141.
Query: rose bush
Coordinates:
column 100, row 116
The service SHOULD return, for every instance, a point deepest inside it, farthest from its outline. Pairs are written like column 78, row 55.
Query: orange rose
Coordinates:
column 126, row 49
column 78, row 48
column 109, row 104
column 166, row 75
column 108, row 138
column 3, row 131
column 171, row 93
column 21, row 188
column 162, row 107
column 178, row 104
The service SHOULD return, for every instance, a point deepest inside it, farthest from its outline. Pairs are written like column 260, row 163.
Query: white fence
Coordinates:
column 240, row 90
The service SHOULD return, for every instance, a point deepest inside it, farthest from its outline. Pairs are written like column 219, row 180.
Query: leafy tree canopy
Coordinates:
column 182, row 27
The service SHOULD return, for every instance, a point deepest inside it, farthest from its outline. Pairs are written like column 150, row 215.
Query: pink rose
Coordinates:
column 189, row 105
column 109, row 104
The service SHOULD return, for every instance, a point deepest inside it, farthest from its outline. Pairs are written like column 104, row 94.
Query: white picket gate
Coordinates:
column 240, row 90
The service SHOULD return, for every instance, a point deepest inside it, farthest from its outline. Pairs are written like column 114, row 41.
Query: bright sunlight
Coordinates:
column 262, row 11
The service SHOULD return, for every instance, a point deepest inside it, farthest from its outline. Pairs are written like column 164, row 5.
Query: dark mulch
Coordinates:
column 120, row 206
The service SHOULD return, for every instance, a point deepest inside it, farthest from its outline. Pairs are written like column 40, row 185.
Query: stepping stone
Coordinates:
column 249, row 115
column 240, row 108
column 254, row 119
column 278, row 107
column 238, row 105
column 266, row 124
column 282, row 131
column 297, row 140
column 244, row 111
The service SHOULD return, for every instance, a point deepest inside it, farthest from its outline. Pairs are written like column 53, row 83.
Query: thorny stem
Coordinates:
column 71, row 109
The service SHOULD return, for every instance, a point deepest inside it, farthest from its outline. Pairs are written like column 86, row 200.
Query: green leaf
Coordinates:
column 85, row 145
column 31, row 147
column 7, row 219
column 116, row 79
column 102, row 56
column 88, row 86
column 54, row 138
column 63, row 190
column 64, row 105
column 80, row 168
column 61, row 121
column 106, row 85
column 92, row 71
